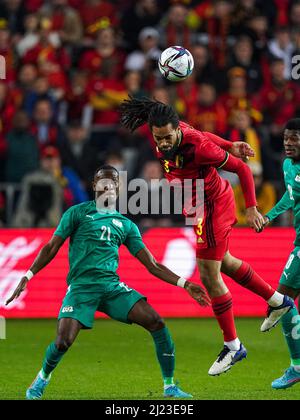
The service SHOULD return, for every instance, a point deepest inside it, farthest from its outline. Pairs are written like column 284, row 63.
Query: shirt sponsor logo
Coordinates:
column 67, row 309
column 297, row 179
column 117, row 223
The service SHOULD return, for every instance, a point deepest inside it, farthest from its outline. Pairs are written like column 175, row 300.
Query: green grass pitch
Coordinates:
column 116, row 361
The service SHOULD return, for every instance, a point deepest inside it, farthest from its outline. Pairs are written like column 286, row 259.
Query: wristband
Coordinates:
column 181, row 282
column 29, row 275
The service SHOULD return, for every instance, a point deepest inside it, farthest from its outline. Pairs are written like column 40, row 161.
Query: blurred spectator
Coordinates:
column 237, row 96
column 295, row 15
column 105, row 57
column 76, row 105
column 243, row 57
column 134, row 84
column 42, row 125
column 73, row 190
column 41, row 201
column 142, row 13
column 141, row 60
column 174, row 29
column 78, row 154
column 97, row 15
column 265, row 194
column 40, row 91
column 12, row 12
column 279, row 100
column 7, row 110
column 105, row 96
column 208, row 114
column 215, row 18
column 22, row 154
column 116, row 160
column 30, row 37
column 26, row 78
column 205, row 71
column 7, row 51
column 258, row 30
column 184, row 95
column 51, row 58
column 282, row 47
column 242, row 130
column 161, row 94
column 65, row 21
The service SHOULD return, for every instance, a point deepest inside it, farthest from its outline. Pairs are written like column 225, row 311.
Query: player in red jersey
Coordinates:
column 186, row 153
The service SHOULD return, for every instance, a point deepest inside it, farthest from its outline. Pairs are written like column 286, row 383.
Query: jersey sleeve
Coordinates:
column 209, row 153
column 68, row 223
column 134, row 241
column 284, row 204
column 219, row 141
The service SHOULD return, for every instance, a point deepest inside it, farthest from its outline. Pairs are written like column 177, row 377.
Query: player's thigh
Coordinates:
column 80, row 306
column 119, row 301
column 143, row 314
column 290, row 278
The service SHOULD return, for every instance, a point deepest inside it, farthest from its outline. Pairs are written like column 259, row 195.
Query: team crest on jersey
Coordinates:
column 117, row 223
column 297, row 179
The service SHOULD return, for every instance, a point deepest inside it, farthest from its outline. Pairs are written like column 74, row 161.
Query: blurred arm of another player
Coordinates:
column 44, row 257
column 239, row 149
column 284, row 204
column 162, row 272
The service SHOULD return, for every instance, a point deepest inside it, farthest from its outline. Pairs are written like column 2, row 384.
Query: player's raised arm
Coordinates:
column 162, row 272
column 44, row 257
column 239, row 149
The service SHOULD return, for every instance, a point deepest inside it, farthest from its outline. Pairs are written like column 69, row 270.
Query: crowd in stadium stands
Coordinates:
column 70, row 63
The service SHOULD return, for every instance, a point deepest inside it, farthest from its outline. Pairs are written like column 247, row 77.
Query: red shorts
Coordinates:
column 214, row 229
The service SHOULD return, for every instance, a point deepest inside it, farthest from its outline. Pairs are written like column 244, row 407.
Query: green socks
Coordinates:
column 51, row 360
column 291, row 330
column 165, row 351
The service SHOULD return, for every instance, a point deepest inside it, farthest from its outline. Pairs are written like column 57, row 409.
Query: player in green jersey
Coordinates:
column 96, row 232
column 290, row 279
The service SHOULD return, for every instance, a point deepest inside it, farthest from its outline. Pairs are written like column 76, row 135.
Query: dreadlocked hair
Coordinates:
column 137, row 112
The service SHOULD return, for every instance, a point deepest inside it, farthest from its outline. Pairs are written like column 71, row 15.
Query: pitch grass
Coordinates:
column 117, row 361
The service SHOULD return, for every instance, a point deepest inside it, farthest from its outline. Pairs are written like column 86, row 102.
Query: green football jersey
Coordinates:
column 95, row 238
column 291, row 198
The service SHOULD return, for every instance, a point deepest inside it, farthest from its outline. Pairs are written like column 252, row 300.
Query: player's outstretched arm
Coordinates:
column 44, row 257
column 163, row 273
column 239, row 149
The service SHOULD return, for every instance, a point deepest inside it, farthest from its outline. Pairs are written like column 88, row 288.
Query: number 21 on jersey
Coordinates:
column 106, row 233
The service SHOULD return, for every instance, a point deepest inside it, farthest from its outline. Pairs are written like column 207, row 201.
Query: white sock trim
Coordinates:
column 233, row 345
column 276, row 299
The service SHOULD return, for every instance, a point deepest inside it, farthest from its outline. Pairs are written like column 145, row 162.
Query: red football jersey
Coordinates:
column 197, row 158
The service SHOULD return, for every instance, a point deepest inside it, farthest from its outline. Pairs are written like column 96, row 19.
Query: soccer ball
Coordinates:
column 176, row 63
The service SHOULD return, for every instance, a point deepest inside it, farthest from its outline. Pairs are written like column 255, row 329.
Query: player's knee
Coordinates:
column 63, row 343
column 155, row 323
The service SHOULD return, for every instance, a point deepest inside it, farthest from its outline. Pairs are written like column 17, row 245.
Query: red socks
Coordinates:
column 248, row 278
column 222, row 307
